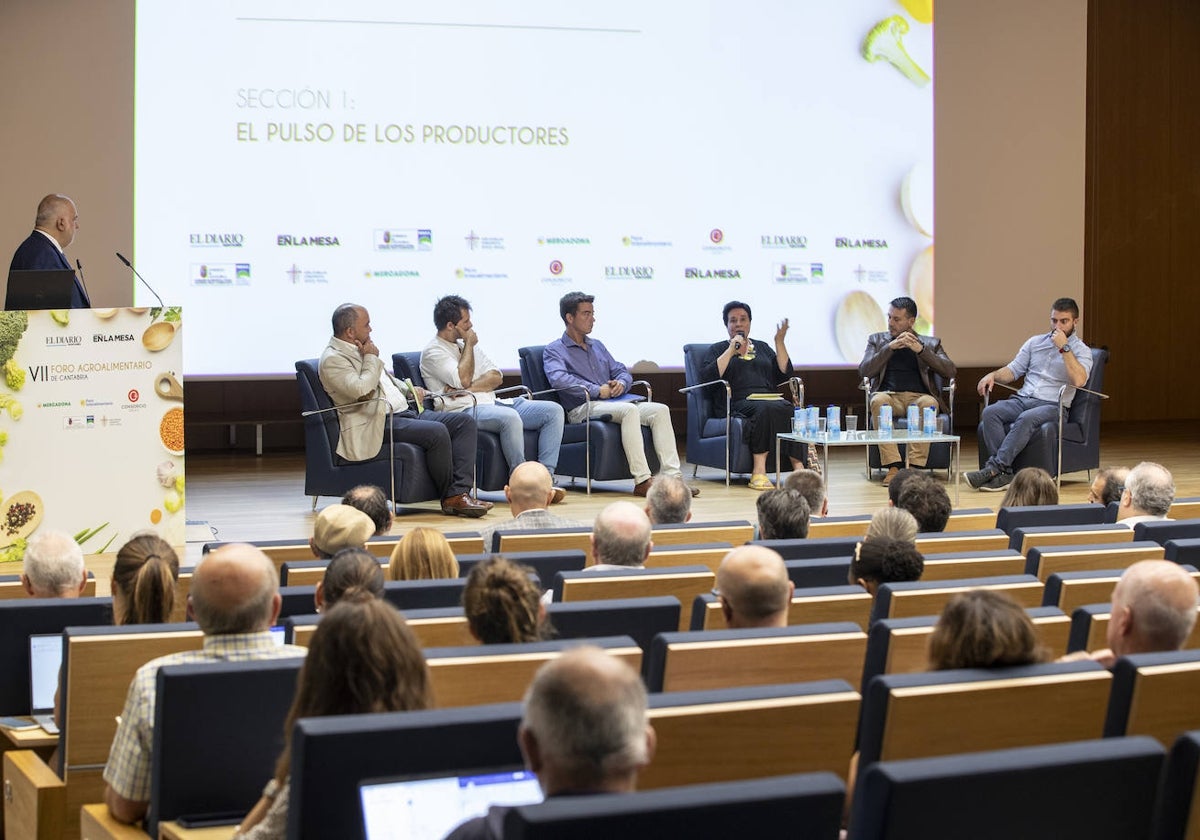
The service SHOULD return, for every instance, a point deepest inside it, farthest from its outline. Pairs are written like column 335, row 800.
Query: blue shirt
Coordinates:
column 589, row 365
column 1043, row 367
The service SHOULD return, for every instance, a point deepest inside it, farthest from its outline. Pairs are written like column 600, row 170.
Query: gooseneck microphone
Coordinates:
column 87, row 298
column 143, row 279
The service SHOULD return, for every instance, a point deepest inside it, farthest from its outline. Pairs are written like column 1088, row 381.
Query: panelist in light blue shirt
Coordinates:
column 1048, row 362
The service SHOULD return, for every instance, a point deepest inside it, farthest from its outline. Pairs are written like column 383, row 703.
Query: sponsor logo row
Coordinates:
column 421, row 240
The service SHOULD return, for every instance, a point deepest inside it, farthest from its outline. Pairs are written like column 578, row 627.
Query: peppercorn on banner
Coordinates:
column 91, row 426
column 665, row 156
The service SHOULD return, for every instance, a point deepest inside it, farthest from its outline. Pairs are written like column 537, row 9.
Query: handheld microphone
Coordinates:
column 143, row 279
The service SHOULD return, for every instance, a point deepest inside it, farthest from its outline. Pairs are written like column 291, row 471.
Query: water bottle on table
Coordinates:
column 929, row 424
column 833, row 422
column 914, row 419
column 885, row 421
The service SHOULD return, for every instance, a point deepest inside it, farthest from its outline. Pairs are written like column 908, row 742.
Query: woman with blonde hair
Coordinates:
column 1031, row 486
column 984, row 629
column 502, row 603
column 892, row 523
column 143, row 580
column 362, row 658
column 423, row 554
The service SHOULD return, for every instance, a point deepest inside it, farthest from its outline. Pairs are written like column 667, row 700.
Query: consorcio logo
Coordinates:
column 133, row 395
column 556, row 267
column 716, row 236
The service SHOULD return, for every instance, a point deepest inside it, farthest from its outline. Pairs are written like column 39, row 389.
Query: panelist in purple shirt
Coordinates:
column 577, row 363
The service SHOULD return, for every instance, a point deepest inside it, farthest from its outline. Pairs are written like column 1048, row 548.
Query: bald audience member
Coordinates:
column 584, row 731
column 372, row 501
column 529, row 491
column 54, row 229
column 1149, row 492
column 1153, row 611
column 754, row 588
column 782, row 515
column 669, row 500
column 234, row 598
column 1108, row 485
column 338, row 527
column 810, row 485
column 53, row 567
column 620, row 538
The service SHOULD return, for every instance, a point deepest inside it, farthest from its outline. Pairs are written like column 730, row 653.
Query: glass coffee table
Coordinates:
column 824, row 441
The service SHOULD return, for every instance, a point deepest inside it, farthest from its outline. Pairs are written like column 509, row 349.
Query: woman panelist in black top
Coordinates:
column 754, row 371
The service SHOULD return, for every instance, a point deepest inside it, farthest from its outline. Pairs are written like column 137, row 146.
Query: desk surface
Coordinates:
column 863, row 438
column 29, row 739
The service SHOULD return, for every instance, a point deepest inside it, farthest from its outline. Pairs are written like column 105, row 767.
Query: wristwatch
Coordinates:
column 1066, row 348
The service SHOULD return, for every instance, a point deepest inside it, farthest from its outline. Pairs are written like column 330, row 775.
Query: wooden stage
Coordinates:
column 244, row 497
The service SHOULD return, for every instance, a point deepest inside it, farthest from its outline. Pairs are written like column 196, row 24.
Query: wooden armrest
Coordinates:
column 174, row 831
column 35, row 799
column 96, row 823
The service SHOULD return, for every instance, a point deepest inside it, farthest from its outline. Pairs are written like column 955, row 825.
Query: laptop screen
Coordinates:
column 413, row 808
column 45, row 659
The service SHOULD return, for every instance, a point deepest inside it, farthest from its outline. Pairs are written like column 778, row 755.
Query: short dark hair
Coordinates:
column 449, row 310
column 372, row 501
column 352, row 574
column 568, row 304
column 1066, row 305
column 810, row 485
column 898, row 484
column 907, row 304
column 732, row 305
column 782, row 515
column 927, row 500
column 882, row 560
column 344, row 317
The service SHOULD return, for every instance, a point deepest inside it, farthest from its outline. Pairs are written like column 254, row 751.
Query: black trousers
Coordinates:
column 448, row 439
column 764, row 420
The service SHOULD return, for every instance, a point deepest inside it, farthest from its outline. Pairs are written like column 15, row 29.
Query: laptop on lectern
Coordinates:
column 40, row 289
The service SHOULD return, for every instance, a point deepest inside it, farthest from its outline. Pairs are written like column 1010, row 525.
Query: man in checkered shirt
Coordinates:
column 235, row 599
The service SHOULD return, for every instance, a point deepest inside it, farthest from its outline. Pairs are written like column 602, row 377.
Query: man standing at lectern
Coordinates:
column 54, row 229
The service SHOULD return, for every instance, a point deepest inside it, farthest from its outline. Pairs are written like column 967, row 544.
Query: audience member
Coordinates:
column 1108, row 485
column 362, row 658
column 892, row 523
column 897, row 484
column 143, row 580
column 423, row 554
column 338, row 527
column 782, row 515
column 585, row 731
column 530, row 490
column 1149, row 492
column 620, row 537
column 1153, row 610
column 881, row 560
column 810, row 485
column 502, row 603
column 1031, row 486
column 669, row 501
column 235, row 599
column 754, row 588
column 353, row 572
column 372, row 501
column 981, row 628
column 53, row 566
column 927, row 500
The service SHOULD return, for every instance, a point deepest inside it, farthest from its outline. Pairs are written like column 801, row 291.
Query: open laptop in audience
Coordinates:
column 431, row 806
column 45, row 661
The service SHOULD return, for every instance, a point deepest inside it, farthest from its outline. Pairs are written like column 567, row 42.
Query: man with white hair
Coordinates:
column 1149, row 492
column 669, row 501
column 53, row 567
column 584, row 731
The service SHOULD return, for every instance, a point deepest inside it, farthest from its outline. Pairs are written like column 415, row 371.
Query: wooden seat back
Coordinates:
column 553, row 540
column 1089, row 629
column 472, row 676
column 1155, row 694
column 905, row 600
column 692, row 533
column 991, row 539
column 710, row 556
column 1072, row 535
column 808, row 606
column 1051, row 560
column 973, row 564
column 838, row 526
column 684, row 583
column 740, row 739
column 728, row 658
column 13, row 588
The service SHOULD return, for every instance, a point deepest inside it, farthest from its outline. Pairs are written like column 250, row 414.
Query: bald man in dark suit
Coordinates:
column 55, row 227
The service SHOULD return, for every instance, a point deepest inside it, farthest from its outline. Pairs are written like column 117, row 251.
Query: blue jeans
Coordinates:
column 1022, row 416
column 510, row 422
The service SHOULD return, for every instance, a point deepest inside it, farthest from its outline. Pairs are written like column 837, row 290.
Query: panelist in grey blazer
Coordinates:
column 53, row 231
column 899, row 364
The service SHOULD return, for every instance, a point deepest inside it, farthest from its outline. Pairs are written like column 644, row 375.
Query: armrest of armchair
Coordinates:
column 97, row 824
column 35, row 799
column 515, row 389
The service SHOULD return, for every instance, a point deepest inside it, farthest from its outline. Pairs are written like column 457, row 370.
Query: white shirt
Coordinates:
column 439, row 367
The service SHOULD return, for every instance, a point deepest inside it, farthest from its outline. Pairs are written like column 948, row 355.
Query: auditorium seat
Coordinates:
column 1099, row 789
column 1010, row 518
column 1183, row 551
column 1044, row 561
column 808, row 606
column 902, row 600
column 1165, row 530
column 1089, row 629
column 545, row 564
column 1029, row 536
column 681, row 582
column 1177, row 816
column 1155, row 694
column 818, row 571
column 799, row 549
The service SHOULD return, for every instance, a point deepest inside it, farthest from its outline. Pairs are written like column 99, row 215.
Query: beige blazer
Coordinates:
column 349, row 377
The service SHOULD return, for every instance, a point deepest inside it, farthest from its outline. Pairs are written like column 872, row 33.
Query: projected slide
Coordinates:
column 664, row 156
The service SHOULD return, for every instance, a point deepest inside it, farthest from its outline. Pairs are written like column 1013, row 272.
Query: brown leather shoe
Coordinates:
column 463, row 505
column 642, row 487
column 694, row 489
column 891, row 473
column 479, row 501
column 559, row 494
